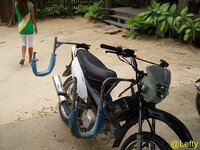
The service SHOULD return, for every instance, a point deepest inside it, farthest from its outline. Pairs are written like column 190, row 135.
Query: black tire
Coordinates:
column 65, row 106
column 147, row 137
column 198, row 103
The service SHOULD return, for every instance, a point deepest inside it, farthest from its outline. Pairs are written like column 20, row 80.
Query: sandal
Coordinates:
column 22, row 61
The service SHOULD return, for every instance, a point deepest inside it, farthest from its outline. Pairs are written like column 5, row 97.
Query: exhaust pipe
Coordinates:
column 59, row 88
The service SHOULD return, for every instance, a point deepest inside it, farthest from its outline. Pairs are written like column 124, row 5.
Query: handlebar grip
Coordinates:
column 34, row 55
column 109, row 47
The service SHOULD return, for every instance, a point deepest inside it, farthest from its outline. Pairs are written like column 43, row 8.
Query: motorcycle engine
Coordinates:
column 88, row 119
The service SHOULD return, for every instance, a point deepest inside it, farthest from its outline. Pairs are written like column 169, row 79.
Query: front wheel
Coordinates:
column 198, row 103
column 150, row 141
column 66, row 106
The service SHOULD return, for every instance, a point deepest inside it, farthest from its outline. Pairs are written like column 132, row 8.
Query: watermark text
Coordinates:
column 176, row 144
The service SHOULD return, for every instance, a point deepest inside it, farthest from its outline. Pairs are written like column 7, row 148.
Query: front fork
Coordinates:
column 140, row 123
column 139, row 136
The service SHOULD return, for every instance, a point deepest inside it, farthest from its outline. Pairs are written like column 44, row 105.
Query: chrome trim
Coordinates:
column 59, row 88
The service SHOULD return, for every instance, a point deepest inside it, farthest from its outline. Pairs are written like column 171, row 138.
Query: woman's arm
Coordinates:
column 33, row 19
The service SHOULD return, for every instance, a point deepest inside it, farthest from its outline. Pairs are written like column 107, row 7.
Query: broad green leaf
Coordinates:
column 193, row 35
column 162, row 25
column 173, row 8
column 158, row 12
column 166, row 13
column 149, row 19
column 183, row 27
column 161, row 18
column 184, row 11
column 142, row 14
column 154, row 20
column 178, row 18
column 189, row 20
column 188, row 31
column 170, row 20
column 196, row 24
column 197, row 20
column 186, row 36
column 154, row 4
column 198, row 29
column 164, row 7
column 145, row 17
column 190, row 15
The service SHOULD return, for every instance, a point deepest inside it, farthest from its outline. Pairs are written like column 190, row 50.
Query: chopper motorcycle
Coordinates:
column 87, row 107
column 197, row 85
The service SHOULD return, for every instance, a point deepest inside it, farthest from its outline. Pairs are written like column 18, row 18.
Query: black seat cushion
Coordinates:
column 93, row 68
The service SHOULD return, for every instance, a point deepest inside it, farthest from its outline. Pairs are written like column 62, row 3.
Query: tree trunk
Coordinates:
column 108, row 3
column 7, row 11
column 182, row 4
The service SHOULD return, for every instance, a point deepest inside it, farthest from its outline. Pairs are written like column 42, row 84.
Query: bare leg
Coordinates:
column 23, row 55
column 30, row 51
column 23, row 51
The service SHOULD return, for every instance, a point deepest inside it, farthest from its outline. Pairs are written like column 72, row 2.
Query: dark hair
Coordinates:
column 22, row 6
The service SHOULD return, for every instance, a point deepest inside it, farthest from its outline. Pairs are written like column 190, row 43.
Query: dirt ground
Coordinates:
column 29, row 116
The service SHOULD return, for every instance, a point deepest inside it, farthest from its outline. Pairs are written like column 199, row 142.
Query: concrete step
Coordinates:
column 115, row 23
column 118, row 17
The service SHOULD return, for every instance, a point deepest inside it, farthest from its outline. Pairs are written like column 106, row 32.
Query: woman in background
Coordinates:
column 26, row 25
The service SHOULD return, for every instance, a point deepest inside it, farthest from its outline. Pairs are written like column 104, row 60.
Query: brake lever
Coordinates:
column 111, row 52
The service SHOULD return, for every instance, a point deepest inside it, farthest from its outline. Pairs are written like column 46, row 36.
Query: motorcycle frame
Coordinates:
column 151, row 113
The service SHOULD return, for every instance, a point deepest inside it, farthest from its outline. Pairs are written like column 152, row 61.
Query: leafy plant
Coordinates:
column 56, row 10
column 81, row 9
column 179, row 22
column 190, row 28
column 39, row 8
column 41, row 14
column 137, row 22
column 163, row 18
column 156, row 16
column 182, row 18
column 69, row 11
column 166, row 19
column 96, row 11
column 130, row 34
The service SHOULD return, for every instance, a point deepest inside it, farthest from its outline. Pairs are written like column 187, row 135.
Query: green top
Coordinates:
column 25, row 24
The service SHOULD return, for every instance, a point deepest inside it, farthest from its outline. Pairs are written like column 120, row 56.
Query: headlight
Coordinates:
column 156, row 84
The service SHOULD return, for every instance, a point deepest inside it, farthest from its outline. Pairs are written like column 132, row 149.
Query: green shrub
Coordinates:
column 56, row 10
column 81, row 9
column 163, row 18
column 96, row 11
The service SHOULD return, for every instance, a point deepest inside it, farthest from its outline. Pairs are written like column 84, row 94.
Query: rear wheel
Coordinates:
column 198, row 102
column 149, row 141
column 66, row 106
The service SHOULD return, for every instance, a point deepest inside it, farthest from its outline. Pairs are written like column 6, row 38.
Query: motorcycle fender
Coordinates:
column 174, row 123
column 81, row 84
column 67, row 72
column 121, row 131
column 197, row 84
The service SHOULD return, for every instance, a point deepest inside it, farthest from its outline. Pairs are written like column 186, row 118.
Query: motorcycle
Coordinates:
column 197, row 85
column 87, row 107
